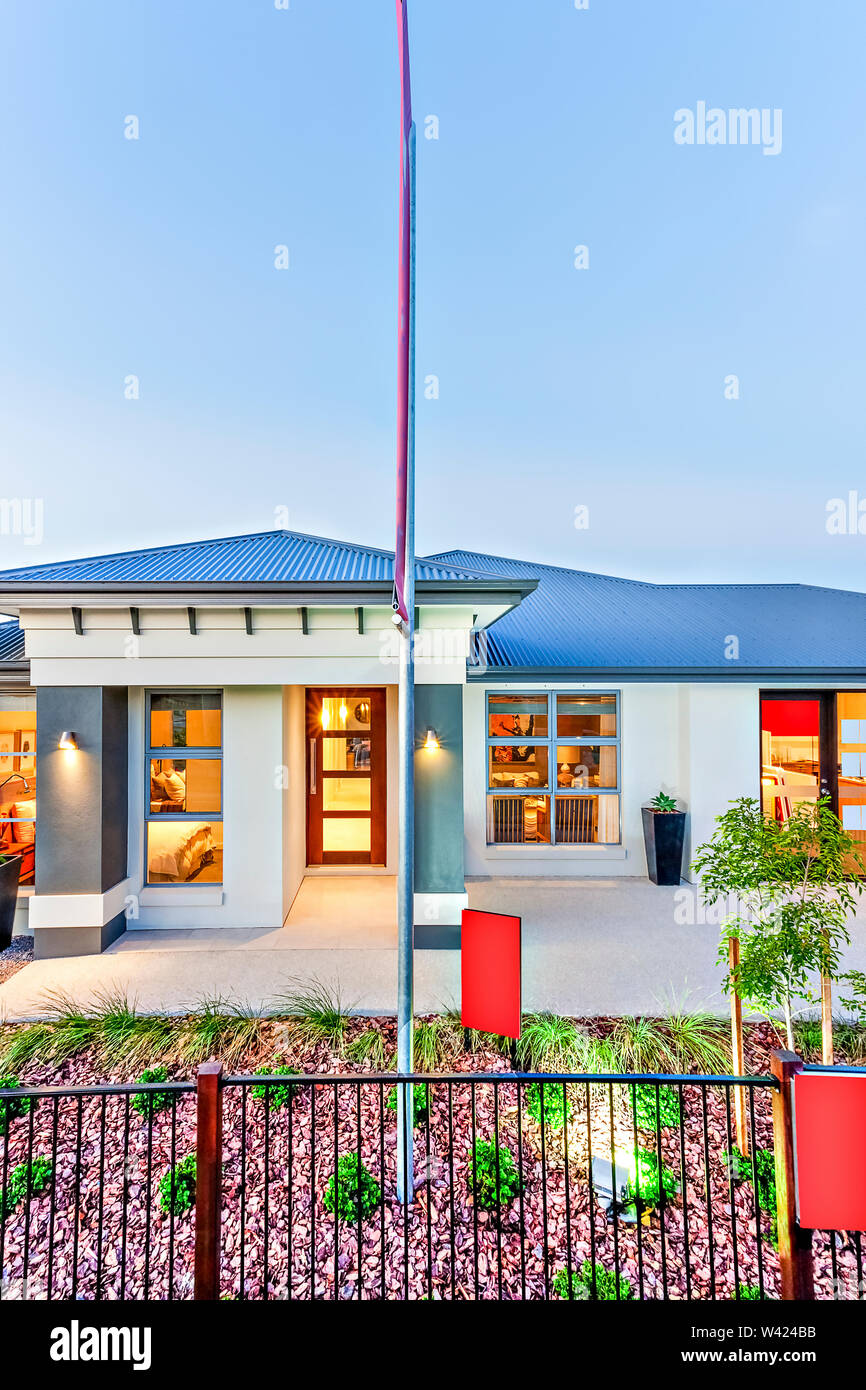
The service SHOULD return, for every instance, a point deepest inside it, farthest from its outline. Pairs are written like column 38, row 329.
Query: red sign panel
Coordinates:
column 490, row 972
column 830, row 1144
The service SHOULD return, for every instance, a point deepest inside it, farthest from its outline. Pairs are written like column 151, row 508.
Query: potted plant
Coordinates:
column 664, row 829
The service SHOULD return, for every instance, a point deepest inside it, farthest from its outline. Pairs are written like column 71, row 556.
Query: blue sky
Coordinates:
column 558, row 388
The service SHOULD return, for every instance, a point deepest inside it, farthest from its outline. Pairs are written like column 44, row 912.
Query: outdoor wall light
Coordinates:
column 431, row 742
column 68, row 741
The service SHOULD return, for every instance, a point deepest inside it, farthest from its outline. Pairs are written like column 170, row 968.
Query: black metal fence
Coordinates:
column 285, row 1187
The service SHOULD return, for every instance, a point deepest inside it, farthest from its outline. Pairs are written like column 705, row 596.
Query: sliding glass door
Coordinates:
column 813, row 743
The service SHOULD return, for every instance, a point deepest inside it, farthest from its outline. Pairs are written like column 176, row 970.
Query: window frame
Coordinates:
column 552, row 791
column 212, row 751
column 27, row 699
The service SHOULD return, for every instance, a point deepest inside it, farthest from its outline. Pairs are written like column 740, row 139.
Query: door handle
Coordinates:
column 312, row 767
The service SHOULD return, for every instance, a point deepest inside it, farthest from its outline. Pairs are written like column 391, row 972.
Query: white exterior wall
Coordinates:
column 720, row 736
column 698, row 742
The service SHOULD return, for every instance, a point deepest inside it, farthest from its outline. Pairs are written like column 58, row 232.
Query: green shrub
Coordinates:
column 606, row 1284
column 279, row 1093
column 646, row 1111
column 557, row 1106
column 579, row 1290
column 751, row 1293
column 653, row 1183
column 353, row 1192
column 13, row 1108
column 177, row 1187
column 420, row 1102
column 482, row 1175
column 34, row 1177
column 765, row 1168
column 150, row 1103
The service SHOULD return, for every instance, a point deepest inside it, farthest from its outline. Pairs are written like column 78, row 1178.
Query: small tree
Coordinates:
column 792, row 893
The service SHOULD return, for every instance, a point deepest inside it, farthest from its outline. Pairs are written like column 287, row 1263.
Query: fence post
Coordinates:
column 208, row 1179
column 795, row 1244
column 826, row 1020
column 737, row 1050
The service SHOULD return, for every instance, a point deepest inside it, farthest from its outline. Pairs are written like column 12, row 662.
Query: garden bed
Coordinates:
column 110, row 1235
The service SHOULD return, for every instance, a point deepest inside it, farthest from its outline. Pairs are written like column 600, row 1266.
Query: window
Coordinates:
column 18, row 781
column 553, row 769
column 184, row 821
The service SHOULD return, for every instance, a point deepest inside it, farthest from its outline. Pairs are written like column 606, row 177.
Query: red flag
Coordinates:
column 404, row 309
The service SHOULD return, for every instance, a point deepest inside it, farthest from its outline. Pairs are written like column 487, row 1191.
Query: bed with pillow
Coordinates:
column 177, row 850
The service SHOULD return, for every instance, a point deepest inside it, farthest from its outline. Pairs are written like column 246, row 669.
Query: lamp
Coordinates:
column 431, row 742
column 68, row 741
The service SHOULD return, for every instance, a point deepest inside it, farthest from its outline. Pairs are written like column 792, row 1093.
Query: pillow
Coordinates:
column 24, row 829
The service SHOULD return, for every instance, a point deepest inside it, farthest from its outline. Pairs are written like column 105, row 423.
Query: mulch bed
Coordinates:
column 15, row 957
column 99, row 1229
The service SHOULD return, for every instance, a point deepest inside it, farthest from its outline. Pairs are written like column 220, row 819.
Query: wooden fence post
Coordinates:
column 208, row 1179
column 795, row 1244
column 826, row 1020
column 737, row 1051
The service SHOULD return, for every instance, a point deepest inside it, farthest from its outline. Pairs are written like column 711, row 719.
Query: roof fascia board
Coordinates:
column 668, row 673
column 328, row 595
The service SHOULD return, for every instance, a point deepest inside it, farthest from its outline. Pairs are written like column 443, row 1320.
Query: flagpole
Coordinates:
column 405, row 594
column 406, row 879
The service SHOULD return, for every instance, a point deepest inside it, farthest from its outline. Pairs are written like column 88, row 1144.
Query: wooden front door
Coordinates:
column 346, row 822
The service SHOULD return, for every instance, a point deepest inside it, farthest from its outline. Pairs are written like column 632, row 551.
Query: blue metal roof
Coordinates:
column 11, row 642
column 578, row 620
column 277, row 557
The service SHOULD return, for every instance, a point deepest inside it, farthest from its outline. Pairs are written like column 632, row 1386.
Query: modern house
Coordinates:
column 215, row 723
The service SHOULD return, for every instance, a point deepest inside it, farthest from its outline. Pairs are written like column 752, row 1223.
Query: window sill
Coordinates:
column 553, row 853
column 179, row 895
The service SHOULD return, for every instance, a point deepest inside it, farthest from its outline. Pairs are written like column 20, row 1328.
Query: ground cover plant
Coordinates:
column 655, row 1107
column 177, row 1187
column 653, row 1183
column 14, row 1107
column 556, row 1107
column 150, row 1103
column 275, row 1093
column 26, row 1180
column 593, row 1281
column 492, row 1176
column 353, row 1194
column 420, row 1102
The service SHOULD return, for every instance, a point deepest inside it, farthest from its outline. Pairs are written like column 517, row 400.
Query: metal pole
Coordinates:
column 406, row 869
column 795, row 1243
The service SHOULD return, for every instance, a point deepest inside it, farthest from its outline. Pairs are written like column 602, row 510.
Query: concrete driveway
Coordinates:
column 597, row 946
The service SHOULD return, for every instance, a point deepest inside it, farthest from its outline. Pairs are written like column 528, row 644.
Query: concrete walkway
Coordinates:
column 598, row 946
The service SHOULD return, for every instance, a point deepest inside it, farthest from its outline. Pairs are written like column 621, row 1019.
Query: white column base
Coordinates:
column 439, row 909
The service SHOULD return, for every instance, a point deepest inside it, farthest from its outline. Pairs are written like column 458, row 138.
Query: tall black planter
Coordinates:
column 663, row 833
column 10, row 872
